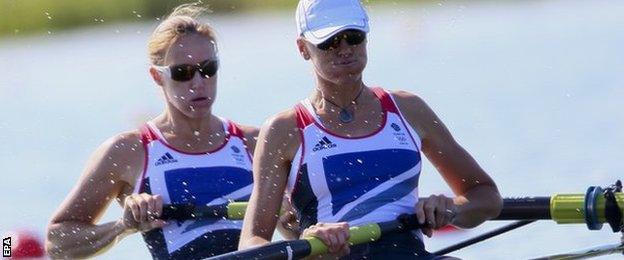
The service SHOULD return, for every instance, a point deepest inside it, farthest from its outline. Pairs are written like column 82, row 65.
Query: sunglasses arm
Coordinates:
column 165, row 70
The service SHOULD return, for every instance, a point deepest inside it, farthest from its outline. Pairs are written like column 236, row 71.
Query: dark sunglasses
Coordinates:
column 353, row 37
column 186, row 72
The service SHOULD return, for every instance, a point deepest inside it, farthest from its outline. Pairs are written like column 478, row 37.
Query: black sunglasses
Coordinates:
column 186, row 72
column 353, row 37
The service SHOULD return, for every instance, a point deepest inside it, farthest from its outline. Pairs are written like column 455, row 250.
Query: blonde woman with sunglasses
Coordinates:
column 186, row 155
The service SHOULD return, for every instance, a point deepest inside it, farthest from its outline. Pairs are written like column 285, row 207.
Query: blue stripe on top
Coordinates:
column 351, row 175
column 201, row 185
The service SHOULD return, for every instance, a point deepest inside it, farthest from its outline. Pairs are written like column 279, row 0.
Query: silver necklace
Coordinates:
column 345, row 115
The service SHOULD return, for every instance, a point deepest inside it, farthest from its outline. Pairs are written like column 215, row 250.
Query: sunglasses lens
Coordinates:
column 182, row 72
column 326, row 44
column 209, row 68
column 186, row 72
column 353, row 37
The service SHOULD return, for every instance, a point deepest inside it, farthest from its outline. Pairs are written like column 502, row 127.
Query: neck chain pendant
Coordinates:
column 345, row 116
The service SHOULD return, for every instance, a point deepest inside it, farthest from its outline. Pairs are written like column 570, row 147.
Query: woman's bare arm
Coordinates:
column 477, row 196
column 277, row 143
column 108, row 175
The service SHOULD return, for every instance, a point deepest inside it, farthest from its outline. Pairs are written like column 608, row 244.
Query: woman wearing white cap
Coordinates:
column 349, row 154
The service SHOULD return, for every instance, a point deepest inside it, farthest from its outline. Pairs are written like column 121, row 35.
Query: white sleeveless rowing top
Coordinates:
column 206, row 178
column 359, row 180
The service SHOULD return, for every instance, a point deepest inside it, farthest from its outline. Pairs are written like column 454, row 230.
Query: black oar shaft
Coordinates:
column 513, row 209
column 293, row 249
column 189, row 211
column 528, row 208
column 482, row 237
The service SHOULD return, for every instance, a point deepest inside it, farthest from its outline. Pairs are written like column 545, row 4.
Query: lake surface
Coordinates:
column 532, row 89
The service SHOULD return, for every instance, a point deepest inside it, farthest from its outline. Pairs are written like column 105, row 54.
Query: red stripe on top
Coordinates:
column 388, row 104
column 147, row 136
column 303, row 117
column 386, row 100
column 235, row 130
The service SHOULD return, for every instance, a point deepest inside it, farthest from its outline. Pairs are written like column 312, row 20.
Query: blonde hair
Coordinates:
column 183, row 20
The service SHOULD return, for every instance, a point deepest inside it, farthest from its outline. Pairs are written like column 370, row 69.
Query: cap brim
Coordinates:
column 317, row 36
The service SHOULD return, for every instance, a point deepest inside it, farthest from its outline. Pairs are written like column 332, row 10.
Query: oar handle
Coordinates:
column 357, row 235
column 370, row 232
column 313, row 246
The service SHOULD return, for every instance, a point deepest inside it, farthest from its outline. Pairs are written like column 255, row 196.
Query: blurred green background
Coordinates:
column 24, row 17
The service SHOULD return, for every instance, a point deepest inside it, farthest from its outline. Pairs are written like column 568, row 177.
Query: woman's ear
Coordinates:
column 156, row 76
column 303, row 49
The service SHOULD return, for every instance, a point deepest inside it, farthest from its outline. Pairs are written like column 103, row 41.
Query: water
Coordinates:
column 533, row 89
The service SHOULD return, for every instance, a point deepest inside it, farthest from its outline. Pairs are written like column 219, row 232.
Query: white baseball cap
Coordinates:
column 318, row 20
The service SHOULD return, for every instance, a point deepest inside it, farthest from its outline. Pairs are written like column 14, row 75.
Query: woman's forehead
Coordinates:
column 191, row 49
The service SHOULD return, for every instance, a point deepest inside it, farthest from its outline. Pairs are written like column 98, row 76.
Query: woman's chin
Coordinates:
column 348, row 78
column 196, row 112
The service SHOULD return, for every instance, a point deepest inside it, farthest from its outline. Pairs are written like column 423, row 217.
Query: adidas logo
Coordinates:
column 167, row 158
column 324, row 143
